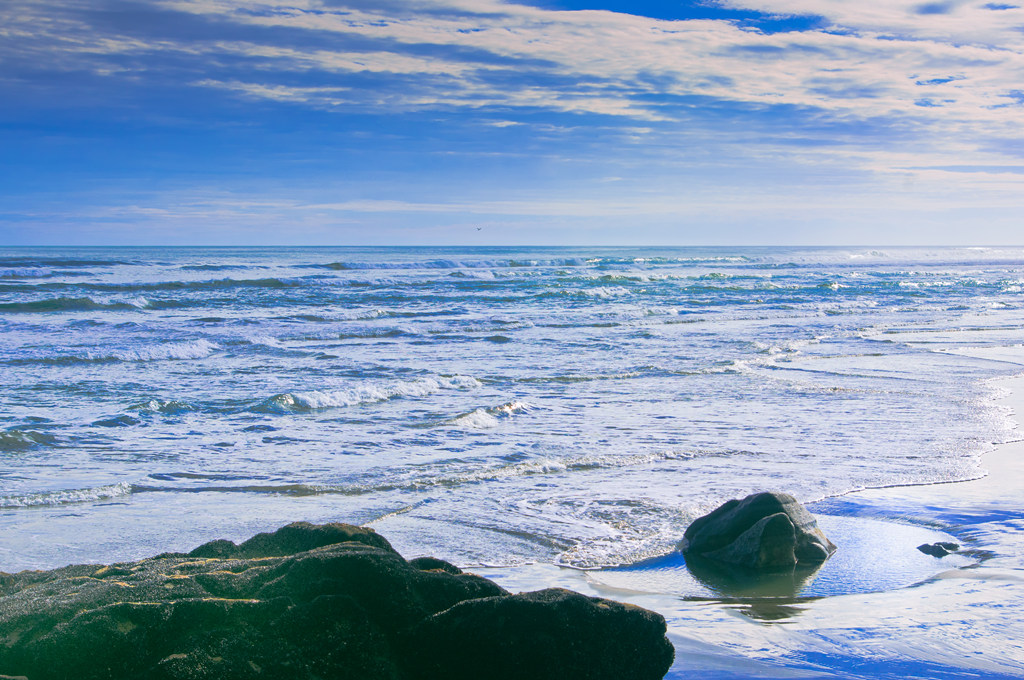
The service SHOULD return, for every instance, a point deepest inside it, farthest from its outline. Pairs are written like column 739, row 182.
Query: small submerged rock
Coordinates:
column 312, row 601
column 765, row 532
column 940, row 549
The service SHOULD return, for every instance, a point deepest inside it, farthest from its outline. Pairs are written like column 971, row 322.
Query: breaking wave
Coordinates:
column 486, row 418
column 192, row 349
column 170, row 351
column 66, row 496
column 437, row 476
column 166, row 407
column 316, row 400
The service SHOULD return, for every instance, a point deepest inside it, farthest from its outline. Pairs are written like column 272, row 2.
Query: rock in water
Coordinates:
column 765, row 532
column 310, row 601
column 940, row 549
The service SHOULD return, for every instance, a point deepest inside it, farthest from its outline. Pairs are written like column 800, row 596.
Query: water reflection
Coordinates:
column 732, row 581
column 762, row 596
column 770, row 610
column 873, row 556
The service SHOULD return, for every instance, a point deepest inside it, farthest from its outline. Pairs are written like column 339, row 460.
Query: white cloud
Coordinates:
column 279, row 92
column 943, row 81
column 956, row 67
column 947, row 21
column 891, row 60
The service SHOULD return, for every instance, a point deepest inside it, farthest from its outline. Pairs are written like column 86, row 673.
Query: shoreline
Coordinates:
column 947, row 625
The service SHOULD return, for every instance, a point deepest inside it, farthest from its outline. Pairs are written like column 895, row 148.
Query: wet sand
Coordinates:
column 957, row 617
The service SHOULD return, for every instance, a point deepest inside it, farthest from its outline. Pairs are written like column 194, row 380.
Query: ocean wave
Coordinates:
column 22, row 440
column 543, row 262
column 784, row 347
column 63, row 304
column 451, row 264
column 337, row 315
column 424, row 479
column 601, row 292
column 375, row 333
column 152, row 286
column 40, row 262
column 215, row 267
column 317, row 400
column 556, row 262
column 66, row 496
column 24, row 273
column 217, row 284
column 682, row 261
column 418, row 480
column 486, row 418
column 297, row 489
column 190, row 349
column 123, row 420
column 166, row 407
column 642, row 372
column 424, row 264
column 262, row 339
column 170, row 351
column 481, row 274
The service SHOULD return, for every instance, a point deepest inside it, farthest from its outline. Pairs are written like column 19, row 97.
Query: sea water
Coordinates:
column 489, row 406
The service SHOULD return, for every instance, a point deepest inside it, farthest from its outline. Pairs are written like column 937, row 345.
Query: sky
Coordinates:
column 491, row 122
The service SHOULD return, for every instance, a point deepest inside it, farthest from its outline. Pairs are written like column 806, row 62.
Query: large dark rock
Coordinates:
column 762, row 532
column 551, row 633
column 307, row 601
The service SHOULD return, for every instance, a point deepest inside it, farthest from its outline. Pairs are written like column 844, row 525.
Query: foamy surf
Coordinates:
column 189, row 349
column 488, row 417
column 66, row 496
column 316, row 400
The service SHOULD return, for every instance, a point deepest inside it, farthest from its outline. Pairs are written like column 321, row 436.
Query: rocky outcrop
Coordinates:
column 552, row 633
column 762, row 532
column 311, row 601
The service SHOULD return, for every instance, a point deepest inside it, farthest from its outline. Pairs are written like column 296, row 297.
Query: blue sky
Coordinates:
column 489, row 122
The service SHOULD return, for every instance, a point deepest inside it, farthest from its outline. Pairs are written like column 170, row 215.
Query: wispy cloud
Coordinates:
column 871, row 58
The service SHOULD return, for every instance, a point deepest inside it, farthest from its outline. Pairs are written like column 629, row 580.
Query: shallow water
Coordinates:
column 490, row 406
column 874, row 556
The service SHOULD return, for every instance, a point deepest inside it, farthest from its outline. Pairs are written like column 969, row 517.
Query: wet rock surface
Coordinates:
column 940, row 549
column 767, row 531
column 311, row 601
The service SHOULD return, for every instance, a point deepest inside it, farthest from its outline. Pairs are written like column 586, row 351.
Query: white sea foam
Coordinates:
column 487, row 418
column 265, row 340
column 315, row 400
column 543, row 465
column 169, row 407
column 479, row 419
column 66, row 496
column 605, row 292
column 481, row 274
column 190, row 349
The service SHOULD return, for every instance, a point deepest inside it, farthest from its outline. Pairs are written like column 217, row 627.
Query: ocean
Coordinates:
column 492, row 406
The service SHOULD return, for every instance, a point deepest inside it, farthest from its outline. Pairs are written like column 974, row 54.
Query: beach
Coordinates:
column 939, row 627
